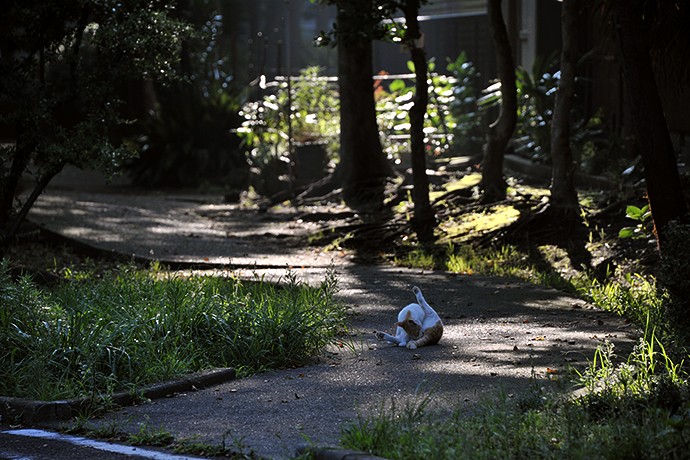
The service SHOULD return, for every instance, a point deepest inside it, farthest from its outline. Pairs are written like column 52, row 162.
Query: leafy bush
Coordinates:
column 451, row 115
column 191, row 147
column 94, row 336
column 186, row 139
column 315, row 117
column 452, row 124
column 62, row 66
column 644, row 227
column 595, row 148
column 469, row 130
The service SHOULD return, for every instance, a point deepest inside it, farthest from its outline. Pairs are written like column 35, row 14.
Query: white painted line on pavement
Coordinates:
column 100, row 445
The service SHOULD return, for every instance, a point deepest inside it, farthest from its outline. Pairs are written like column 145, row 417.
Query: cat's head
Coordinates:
column 413, row 329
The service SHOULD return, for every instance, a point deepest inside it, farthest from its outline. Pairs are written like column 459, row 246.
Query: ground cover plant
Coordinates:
column 92, row 335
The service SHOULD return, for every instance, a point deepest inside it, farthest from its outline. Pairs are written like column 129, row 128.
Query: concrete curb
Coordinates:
column 27, row 411
column 333, row 453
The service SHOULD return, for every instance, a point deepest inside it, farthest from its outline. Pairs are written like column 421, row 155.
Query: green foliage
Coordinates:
column 452, row 123
column 194, row 146
column 94, row 336
column 537, row 425
column 363, row 20
column 536, row 94
column 594, row 147
column 468, row 131
column 315, row 118
column 634, row 297
column 644, row 227
column 452, row 114
column 536, row 97
column 62, row 65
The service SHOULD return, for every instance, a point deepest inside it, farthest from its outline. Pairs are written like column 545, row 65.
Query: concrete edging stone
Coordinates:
column 28, row 411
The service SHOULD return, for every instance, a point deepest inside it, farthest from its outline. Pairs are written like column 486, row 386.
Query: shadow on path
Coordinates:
column 499, row 334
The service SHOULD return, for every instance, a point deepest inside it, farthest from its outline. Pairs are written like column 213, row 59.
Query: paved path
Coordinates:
column 500, row 333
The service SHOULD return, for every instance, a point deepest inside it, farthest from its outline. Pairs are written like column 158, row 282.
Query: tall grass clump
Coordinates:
column 89, row 337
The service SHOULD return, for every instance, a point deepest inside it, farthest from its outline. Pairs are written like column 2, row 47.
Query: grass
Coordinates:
column 91, row 336
column 536, row 426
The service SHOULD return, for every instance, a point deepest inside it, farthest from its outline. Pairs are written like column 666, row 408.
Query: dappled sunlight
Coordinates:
column 178, row 229
column 472, row 224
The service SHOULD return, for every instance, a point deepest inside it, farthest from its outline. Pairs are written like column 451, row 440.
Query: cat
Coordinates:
column 418, row 325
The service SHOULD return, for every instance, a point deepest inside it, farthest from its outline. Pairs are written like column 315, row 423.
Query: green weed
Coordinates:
column 90, row 337
column 601, row 424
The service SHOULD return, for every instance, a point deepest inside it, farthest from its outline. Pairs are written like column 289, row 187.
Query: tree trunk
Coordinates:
column 493, row 184
column 423, row 221
column 10, row 178
column 40, row 186
column 364, row 167
column 563, row 194
column 651, row 136
column 649, row 127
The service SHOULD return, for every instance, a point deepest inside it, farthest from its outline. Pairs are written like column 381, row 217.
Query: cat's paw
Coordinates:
column 379, row 335
column 412, row 345
column 416, row 290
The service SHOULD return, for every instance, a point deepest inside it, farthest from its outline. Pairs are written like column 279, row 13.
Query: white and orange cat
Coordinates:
column 418, row 325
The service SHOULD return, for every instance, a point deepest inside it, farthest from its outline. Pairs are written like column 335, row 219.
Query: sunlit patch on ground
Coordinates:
column 474, row 224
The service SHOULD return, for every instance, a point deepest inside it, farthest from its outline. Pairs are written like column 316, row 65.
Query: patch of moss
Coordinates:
column 476, row 223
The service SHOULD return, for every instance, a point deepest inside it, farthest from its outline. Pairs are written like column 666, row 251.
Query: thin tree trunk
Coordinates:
column 649, row 127
column 36, row 192
column 10, row 179
column 493, row 184
column 563, row 193
column 423, row 221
